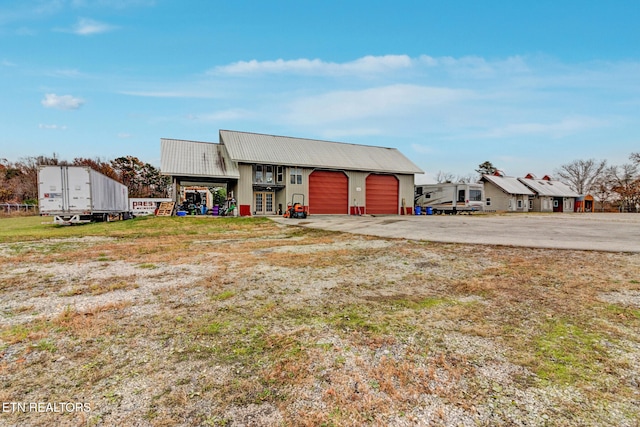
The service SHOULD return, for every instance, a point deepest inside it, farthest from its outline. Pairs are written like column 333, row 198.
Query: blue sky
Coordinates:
column 526, row 85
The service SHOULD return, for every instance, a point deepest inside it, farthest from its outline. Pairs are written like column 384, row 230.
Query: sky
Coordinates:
column 528, row 86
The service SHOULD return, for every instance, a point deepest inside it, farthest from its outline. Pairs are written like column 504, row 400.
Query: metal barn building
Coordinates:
column 264, row 172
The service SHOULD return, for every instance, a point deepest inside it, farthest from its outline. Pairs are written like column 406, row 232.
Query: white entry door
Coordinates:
column 263, row 203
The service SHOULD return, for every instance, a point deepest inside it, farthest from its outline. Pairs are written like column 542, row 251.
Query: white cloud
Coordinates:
column 465, row 67
column 52, row 127
column 383, row 101
column 195, row 93
column 562, row 128
column 348, row 132
column 114, row 4
column 63, row 102
column 68, row 73
column 86, row 27
column 220, row 116
column 422, row 149
column 364, row 65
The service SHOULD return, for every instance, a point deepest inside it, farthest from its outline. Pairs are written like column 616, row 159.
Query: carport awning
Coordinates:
column 193, row 159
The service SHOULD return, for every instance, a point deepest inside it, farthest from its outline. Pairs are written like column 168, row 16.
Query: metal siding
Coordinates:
column 259, row 148
column 499, row 199
column 549, row 188
column 193, row 158
column 107, row 195
column 50, row 184
column 357, row 180
column 382, row 194
column 406, row 190
column 244, row 194
column 508, row 184
column 328, row 193
column 291, row 189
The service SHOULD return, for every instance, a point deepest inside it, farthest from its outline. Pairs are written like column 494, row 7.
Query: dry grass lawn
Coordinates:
column 230, row 322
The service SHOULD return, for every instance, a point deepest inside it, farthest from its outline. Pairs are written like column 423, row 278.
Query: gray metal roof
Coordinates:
column 549, row 188
column 244, row 147
column 197, row 159
column 508, row 184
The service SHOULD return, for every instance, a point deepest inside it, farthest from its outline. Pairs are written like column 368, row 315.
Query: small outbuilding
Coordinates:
column 505, row 194
column 550, row 195
column 585, row 204
column 266, row 172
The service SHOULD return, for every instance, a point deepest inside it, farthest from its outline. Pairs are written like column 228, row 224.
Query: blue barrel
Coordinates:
column 429, row 210
column 418, row 210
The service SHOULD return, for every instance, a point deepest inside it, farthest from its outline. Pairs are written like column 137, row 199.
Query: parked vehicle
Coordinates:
column 450, row 197
column 78, row 194
column 296, row 209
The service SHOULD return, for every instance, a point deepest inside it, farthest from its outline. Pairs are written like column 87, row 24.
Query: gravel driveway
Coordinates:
column 590, row 231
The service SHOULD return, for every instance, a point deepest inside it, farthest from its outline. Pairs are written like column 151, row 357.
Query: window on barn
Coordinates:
column 279, row 174
column 268, row 174
column 488, row 201
column 259, row 176
column 296, row 176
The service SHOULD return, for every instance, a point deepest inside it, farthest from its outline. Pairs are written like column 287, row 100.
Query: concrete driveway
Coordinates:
column 612, row 232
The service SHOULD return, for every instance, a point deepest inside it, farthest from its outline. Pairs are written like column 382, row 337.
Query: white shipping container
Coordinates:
column 75, row 194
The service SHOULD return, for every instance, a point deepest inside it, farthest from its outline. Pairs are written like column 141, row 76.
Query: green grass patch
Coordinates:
column 148, row 266
column 213, row 328
column 222, row 296
column 45, row 345
column 359, row 318
column 19, row 229
column 15, row 334
column 623, row 313
column 568, row 353
column 424, row 303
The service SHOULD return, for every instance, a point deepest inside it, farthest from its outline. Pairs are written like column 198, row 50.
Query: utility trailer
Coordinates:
column 450, row 197
column 79, row 194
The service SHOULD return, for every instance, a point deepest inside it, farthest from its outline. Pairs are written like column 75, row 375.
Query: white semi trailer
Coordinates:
column 79, row 194
column 450, row 197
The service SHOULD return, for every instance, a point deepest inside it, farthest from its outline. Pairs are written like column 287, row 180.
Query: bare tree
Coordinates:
column 626, row 183
column 581, row 175
column 603, row 187
column 442, row 177
column 469, row 178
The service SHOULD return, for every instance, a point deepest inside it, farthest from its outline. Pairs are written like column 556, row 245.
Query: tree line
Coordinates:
column 611, row 185
column 19, row 180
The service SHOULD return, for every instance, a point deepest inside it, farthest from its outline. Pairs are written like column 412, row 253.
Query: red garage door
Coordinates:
column 382, row 194
column 328, row 193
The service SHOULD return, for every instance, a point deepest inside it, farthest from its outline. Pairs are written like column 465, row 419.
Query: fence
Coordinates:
column 9, row 208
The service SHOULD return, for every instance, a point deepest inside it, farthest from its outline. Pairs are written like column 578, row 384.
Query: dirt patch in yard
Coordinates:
column 264, row 324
